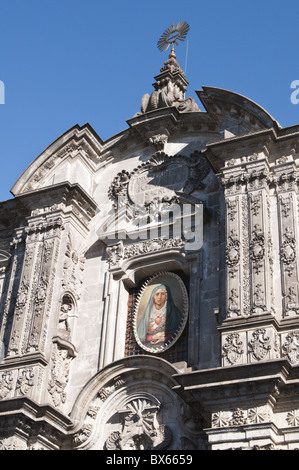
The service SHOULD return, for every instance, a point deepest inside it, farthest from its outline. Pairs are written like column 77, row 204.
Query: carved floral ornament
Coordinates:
column 161, row 312
column 240, row 417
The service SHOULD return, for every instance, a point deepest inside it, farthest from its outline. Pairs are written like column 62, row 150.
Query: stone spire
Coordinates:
column 171, row 84
column 170, row 88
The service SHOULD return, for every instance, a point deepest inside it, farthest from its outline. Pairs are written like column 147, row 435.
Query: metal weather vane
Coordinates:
column 172, row 35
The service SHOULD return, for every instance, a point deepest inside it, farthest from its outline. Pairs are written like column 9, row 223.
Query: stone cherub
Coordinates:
column 65, row 309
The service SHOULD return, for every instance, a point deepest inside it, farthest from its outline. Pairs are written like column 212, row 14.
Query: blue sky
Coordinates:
column 65, row 62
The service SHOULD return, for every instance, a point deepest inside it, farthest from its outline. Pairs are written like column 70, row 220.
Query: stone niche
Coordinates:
column 130, row 405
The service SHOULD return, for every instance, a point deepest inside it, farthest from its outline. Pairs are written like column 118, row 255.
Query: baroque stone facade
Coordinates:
column 201, row 204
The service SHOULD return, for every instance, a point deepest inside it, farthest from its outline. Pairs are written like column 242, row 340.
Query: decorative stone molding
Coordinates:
column 240, row 417
column 119, row 252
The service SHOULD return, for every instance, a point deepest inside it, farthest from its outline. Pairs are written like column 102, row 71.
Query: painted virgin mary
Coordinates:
column 161, row 318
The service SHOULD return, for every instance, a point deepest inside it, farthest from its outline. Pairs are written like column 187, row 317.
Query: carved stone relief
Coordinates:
column 233, row 253
column 159, row 179
column 240, row 417
column 67, row 310
column 6, row 384
column 260, row 344
column 288, row 251
column 290, row 347
column 119, row 252
column 233, row 348
column 140, row 427
column 257, row 249
column 25, row 382
column 60, row 370
column 73, row 269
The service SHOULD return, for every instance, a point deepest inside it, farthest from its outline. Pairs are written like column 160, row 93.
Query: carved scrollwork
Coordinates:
column 232, row 253
column 288, row 251
column 257, row 249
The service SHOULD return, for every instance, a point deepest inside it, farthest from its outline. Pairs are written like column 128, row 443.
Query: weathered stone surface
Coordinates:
column 92, row 223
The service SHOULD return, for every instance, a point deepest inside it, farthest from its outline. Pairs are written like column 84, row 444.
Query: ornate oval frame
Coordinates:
column 179, row 295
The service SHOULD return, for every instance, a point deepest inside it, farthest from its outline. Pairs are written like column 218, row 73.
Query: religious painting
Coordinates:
column 161, row 312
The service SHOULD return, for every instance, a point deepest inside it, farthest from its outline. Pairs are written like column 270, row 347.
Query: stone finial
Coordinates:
column 171, row 84
column 170, row 88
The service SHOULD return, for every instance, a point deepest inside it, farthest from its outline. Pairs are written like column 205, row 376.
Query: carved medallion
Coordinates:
column 161, row 312
column 146, row 186
column 161, row 178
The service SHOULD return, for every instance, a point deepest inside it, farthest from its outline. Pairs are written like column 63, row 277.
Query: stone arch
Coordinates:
column 131, row 404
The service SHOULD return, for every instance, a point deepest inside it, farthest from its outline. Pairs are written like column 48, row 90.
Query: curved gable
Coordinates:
column 235, row 113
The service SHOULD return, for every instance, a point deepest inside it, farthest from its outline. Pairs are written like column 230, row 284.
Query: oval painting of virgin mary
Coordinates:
column 161, row 312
